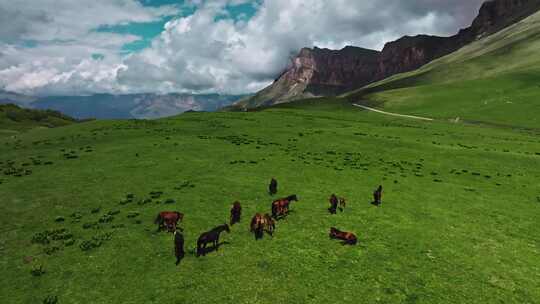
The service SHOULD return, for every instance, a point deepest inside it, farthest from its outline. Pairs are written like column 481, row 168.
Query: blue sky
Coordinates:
column 69, row 47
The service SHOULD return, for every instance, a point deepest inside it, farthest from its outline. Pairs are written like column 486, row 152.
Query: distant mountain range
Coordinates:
column 107, row 106
column 321, row 72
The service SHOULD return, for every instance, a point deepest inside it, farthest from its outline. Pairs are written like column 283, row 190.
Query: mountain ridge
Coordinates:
column 123, row 106
column 405, row 54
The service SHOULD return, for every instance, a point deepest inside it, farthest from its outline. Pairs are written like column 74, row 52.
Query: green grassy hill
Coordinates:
column 14, row 118
column 458, row 224
column 493, row 80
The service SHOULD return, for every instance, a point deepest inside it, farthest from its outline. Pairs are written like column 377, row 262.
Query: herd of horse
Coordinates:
column 260, row 223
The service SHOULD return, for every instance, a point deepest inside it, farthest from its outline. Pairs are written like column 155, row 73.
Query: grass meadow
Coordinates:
column 458, row 223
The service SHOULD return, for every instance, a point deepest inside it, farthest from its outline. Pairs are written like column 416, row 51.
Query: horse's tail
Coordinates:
column 180, row 216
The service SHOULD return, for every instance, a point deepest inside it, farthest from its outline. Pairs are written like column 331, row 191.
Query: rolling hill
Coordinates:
column 15, row 118
column 493, row 80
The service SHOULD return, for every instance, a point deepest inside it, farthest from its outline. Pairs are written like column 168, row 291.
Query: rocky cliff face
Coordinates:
column 319, row 72
column 323, row 72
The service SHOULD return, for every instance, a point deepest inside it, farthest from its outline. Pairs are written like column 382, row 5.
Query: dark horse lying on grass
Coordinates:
column 236, row 212
column 211, row 236
column 169, row 220
column 280, row 207
column 348, row 238
column 178, row 246
column 261, row 223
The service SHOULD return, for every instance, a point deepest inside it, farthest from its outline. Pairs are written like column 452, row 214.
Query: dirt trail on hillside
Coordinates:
column 392, row 114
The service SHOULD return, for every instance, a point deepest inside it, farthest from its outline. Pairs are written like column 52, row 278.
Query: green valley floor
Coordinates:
column 458, row 223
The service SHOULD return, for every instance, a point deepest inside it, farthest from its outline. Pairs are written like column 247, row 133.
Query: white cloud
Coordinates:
column 198, row 53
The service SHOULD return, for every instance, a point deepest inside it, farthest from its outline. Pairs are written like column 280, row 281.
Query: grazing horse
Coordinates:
column 261, row 223
column 280, row 207
column 342, row 204
column 348, row 238
column 236, row 212
column 272, row 188
column 377, row 196
column 211, row 236
column 169, row 220
column 178, row 246
column 333, row 204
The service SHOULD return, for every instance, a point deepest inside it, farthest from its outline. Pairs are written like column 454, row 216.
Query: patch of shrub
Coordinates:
column 169, row 201
column 47, row 236
column 95, row 242
column 50, row 300
column 156, row 194
column 69, row 242
column 51, row 250
column 106, row 218
column 89, row 225
column 132, row 214
column 144, row 201
column 96, row 210
column 37, row 270
column 60, row 234
column 41, row 238
column 59, row 219
column 76, row 216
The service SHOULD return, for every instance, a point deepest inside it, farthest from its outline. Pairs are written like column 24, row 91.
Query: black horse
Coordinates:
column 377, row 196
column 333, row 204
column 211, row 236
column 272, row 188
column 178, row 246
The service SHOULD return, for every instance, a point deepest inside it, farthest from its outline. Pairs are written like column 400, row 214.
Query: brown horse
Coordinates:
column 348, row 238
column 178, row 246
column 168, row 219
column 236, row 212
column 261, row 223
column 280, row 207
column 342, row 204
column 272, row 188
column 211, row 236
column 333, row 204
column 377, row 196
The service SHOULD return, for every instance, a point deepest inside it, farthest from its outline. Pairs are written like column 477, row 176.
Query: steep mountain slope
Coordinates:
column 307, row 77
column 492, row 80
column 316, row 72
